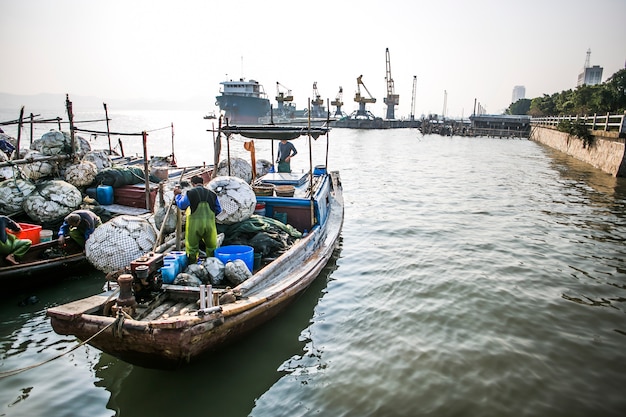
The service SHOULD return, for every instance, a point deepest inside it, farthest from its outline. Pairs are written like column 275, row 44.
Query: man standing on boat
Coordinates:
column 286, row 151
column 201, row 205
column 10, row 246
column 78, row 225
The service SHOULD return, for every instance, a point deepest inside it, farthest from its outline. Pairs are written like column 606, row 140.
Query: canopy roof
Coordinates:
column 274, row 132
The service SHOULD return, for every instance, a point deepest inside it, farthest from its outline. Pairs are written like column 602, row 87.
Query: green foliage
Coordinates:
column 577, row 129
column 608, row 97
column 520, row 107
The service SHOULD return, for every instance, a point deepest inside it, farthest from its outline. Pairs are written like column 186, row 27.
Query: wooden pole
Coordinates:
column 146, row 171
column 312, row 200
column 70, row 115
column 173, row 161
column 106, row 114
column 32, row 116
column 19, row 130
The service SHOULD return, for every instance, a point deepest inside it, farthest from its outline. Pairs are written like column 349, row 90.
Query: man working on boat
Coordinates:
column 286, row 151
column 201, row 205
column 78, row 225
column 10, row 246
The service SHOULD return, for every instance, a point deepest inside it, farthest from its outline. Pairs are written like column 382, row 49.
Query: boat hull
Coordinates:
column 168, row 342
column 243, row 109
column 34, row 268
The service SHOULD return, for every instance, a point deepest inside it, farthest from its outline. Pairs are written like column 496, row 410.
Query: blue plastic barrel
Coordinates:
column 104, row 194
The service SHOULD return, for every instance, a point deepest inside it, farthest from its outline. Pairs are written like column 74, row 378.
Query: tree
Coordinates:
column 520, row 107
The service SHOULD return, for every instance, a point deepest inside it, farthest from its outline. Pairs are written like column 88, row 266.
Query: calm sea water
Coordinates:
column 475, row 277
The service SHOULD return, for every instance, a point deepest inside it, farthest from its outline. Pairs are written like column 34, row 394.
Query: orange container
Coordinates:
column 29, row 231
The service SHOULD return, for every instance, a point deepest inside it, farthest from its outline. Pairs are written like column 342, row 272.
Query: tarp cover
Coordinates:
column 275, row 132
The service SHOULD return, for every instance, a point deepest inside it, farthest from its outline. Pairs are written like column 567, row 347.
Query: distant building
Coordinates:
column 590, row 75
column 519, row 92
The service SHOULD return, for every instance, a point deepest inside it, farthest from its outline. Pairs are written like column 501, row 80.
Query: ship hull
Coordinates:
column 243, row 110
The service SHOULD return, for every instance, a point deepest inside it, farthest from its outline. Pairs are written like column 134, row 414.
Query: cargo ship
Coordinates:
column 243, row 102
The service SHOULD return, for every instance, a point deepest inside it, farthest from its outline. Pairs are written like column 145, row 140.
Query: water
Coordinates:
column 474, row 277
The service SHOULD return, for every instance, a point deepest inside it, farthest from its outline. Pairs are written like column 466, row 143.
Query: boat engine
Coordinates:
column 146, row 275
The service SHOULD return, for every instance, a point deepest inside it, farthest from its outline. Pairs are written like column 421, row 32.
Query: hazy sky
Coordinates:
column 153, row 49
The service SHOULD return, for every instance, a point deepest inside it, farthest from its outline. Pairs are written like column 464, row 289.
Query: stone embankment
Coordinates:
column 606, row 152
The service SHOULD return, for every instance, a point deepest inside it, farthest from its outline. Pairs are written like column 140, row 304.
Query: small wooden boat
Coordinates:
column 42, row 263
column 175, row 324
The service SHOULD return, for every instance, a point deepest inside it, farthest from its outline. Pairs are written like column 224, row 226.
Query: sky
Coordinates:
column 460, row 52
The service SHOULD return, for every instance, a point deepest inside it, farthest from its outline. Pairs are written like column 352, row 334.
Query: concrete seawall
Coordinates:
column 607, row 153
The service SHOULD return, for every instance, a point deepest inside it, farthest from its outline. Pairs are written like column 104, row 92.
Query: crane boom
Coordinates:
column 413, row 98
column 392, row 99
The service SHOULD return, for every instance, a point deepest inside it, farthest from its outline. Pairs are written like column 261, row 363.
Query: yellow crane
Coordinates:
column 338, row 102
column 392, row 98
column 360, row 99
column 280, row 95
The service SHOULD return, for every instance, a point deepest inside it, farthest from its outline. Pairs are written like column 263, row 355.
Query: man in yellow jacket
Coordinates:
column 201, row 205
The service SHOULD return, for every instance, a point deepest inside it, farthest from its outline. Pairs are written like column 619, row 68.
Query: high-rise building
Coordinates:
column 590, row 75
column 519, row 92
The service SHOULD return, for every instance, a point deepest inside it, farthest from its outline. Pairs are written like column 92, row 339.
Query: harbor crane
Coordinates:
column 413, row 98
column 317, row 104
column 392, row 99
column 360, row 99
column 338, row 102
column 280, row 95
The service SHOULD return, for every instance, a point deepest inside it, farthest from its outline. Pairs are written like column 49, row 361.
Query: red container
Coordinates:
column 29, row 231
column 135, row 195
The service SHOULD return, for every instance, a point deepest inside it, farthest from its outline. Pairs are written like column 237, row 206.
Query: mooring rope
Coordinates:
column 20, row 370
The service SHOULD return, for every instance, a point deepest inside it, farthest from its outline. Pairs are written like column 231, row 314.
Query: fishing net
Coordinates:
column 100, row 158
column 39, row 169
column 236, row 197
column 52, row 201
column 59, row 143
column 239, row 168
column 81, row 174
column 12, row 194
column 118, row 242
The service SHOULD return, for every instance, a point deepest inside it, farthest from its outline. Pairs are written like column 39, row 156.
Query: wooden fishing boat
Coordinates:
column 174, row 324
column 42, row 263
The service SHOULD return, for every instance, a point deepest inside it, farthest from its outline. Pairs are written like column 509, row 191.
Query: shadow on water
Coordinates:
column 224, row 383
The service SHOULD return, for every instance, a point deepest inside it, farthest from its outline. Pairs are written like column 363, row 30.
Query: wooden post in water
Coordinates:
column 106, row 114
column 70, row 115
column 19, row 131
column 173, row 161
column 32, row 116
column 146, row 170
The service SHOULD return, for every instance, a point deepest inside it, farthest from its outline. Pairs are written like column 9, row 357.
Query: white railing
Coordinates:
column 608, row 122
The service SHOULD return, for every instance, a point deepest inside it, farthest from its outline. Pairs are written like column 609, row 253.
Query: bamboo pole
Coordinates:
column 146, row 170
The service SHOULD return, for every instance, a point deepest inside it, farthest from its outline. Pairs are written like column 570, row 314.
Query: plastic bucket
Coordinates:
column 45, row 236
column 233, row 252
column 104, row 194
column 319, row 170
column 259, row 209
column 181, row 257
column 257, row 260
column 168, row 272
